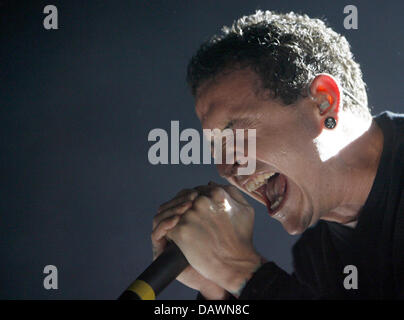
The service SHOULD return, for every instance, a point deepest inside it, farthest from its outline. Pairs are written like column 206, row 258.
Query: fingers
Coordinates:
column 165, row 220
column 178, row 209
column 232, row 191
column 161, row 230
column 159, row 241
column 169, row 213
column 182, row 196
column 214, row 191
column 203, row 190
column 235, row 194
column 184, row 192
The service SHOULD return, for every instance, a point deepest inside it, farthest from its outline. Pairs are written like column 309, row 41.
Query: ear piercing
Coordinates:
column 324, row 106
column 330, row 123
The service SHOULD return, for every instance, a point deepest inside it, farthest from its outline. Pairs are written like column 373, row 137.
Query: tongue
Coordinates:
column 275, row 187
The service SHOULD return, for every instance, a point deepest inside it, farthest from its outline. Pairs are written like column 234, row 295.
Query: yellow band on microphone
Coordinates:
column 143, row 290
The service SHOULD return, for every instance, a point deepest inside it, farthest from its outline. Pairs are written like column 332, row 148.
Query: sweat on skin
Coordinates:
column 315, row 183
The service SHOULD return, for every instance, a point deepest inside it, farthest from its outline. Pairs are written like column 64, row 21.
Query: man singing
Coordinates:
column 325, row 168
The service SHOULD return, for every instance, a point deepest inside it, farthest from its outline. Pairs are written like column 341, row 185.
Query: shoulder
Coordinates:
column 391, row 123
column 392, row 126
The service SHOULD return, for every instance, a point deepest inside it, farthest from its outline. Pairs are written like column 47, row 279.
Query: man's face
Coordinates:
column 287, row 178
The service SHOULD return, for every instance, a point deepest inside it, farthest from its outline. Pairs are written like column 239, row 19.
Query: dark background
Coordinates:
column 76, row 106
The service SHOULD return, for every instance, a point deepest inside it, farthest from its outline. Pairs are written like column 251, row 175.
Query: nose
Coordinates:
column 227, row 170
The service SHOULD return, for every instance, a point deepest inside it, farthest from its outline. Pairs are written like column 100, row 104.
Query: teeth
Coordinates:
column 258, row 181
column 280, row 215
column 276, row 204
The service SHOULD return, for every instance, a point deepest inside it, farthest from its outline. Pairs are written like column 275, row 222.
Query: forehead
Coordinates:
column 227, row 95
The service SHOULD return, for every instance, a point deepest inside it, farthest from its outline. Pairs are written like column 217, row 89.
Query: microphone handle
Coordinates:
column 158, row 275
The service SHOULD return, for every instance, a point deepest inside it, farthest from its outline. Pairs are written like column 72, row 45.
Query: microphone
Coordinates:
column 158, row 275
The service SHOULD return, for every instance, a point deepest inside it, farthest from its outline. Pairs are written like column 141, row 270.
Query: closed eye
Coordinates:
column 229, row 125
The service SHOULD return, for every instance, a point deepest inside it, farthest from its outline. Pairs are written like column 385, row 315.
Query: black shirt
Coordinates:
column 375, row 246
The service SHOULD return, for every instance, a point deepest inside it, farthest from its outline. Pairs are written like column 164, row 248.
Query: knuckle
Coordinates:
column 192, row 195
column 157, row 220
column 189, row 216
column 169, row 221
column 161, row 228
column 180, row 207
column 181, row 231
column 183, row 192
column 201, row 202
column 217, row 193
column 174, row 233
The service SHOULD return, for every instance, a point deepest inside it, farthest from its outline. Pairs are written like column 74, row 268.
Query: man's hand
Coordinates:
column 166, row 219
column 214, row 232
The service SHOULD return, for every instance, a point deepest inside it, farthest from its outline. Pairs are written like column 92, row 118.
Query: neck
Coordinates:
column 356, row 167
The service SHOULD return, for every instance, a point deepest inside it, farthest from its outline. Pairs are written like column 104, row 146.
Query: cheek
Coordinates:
column 287, row 140
column 293, row 156
column 285, row 146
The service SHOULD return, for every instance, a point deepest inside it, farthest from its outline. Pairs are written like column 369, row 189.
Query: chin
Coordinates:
column 295, row 225
column 293, row 230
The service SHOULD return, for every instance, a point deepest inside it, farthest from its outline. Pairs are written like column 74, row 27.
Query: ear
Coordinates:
column 325, row 91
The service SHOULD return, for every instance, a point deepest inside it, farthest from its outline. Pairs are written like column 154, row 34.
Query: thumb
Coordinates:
column 232, row 191
column 235, row 194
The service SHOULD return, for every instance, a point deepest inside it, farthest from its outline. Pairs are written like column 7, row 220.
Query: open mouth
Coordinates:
column 270, row 188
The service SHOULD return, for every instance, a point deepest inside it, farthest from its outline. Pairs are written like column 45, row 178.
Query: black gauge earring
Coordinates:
column 330, row 123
